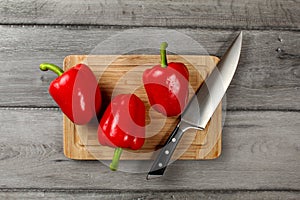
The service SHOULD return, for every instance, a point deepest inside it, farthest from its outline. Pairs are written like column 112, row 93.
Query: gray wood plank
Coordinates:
column 149, row 195
column 260, row 151
column 247, row 14
column 265, row 78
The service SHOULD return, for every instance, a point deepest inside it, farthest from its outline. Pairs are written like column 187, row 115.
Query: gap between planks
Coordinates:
column 83, row 190
column 121, row 27
column 51, row 108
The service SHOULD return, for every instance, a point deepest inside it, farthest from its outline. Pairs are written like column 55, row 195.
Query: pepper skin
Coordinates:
column 167, row 85
column 123, row 125
column 76, row 92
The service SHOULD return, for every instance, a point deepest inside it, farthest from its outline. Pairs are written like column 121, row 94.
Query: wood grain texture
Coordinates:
column 265, row 78
column 255, row 14
column 123, row 75
column 148, row 195
column 260, row 151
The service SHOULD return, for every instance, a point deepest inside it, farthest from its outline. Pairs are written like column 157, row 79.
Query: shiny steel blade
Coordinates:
column 210, row 94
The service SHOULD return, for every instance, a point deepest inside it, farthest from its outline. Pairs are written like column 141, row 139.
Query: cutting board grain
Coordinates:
column 122, row 74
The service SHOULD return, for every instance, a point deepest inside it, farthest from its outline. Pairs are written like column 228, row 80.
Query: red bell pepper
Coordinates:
column 76, row 91
column 167, row 85
column 122, row 125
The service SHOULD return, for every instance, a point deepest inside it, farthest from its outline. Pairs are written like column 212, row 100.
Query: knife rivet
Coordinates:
column 174, row 140
column 160, row 164
column 167, row 152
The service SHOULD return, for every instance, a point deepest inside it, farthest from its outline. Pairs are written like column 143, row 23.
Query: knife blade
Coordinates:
column 202, row 105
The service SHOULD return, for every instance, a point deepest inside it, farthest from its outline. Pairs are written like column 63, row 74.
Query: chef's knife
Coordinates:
column 202, row 105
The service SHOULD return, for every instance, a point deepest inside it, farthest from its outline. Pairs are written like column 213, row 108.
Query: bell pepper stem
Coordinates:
column 52, row 67
column 115, row 161
column 163, row 54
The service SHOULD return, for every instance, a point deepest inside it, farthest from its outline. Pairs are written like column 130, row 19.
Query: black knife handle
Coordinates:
column 161, row 162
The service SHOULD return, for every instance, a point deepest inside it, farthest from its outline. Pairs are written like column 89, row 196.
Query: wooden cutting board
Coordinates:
column 123, row 74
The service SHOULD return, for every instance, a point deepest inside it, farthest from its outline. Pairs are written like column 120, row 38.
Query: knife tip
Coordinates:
column 238, row 39
column 240, row 36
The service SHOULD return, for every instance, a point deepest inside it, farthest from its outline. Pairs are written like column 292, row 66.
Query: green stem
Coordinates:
column 163, row 54
column 52, row 67
column 115, row 161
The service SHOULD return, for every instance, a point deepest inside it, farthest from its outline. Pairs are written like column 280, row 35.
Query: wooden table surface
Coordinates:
column 261, row 137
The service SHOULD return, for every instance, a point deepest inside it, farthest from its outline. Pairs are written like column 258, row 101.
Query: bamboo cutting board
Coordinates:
column 123, row 74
